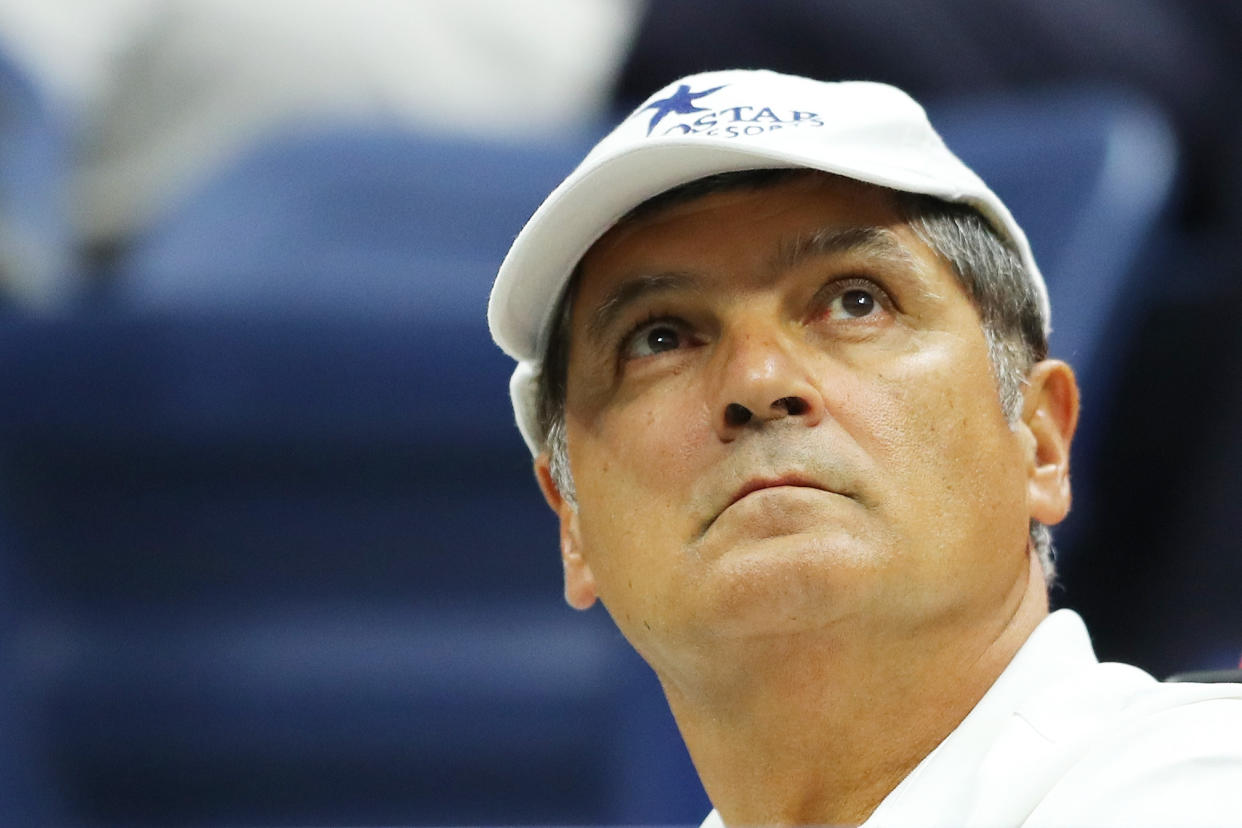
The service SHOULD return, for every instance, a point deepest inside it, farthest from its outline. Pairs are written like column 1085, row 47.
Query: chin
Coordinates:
column 788, row 584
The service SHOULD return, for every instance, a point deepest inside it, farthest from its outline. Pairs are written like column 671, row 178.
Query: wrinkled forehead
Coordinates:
column 762, row 180
column 848, row 213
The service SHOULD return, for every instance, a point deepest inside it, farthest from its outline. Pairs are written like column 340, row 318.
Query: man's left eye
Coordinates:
column 857, row 302
column 853, row 303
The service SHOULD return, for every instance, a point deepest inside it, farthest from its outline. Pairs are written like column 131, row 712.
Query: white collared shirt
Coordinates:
column 1063, row 740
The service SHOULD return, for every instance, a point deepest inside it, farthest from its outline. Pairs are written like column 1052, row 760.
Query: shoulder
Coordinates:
column 1165, row 754
column 1061, row 739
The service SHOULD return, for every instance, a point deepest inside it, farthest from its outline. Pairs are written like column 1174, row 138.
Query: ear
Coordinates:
column 1049, row 415
column 579, row 581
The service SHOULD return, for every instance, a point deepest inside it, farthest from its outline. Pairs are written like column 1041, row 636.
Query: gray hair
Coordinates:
column 988, row 268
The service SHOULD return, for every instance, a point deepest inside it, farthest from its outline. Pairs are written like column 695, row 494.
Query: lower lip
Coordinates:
column 780, row 498
column 774, row 511
column 778, row 488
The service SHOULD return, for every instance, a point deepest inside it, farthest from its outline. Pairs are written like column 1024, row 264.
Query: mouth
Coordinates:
column 759, row 484
column 830, row 479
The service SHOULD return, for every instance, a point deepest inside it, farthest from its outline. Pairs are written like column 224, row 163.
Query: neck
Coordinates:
column 816, row 728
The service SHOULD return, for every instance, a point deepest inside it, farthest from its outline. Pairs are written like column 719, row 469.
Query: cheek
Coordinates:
column 655, row 440
column 635, row 463
column 635, row 468
column 949, row 460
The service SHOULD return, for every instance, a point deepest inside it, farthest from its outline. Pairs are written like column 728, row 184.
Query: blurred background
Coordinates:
column 270, row 550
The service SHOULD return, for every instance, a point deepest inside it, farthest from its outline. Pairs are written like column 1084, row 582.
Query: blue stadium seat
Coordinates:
column 349, row 219
column 37, row 264
column 26, row 795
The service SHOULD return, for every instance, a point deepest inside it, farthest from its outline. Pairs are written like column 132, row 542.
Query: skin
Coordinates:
column 826, row 587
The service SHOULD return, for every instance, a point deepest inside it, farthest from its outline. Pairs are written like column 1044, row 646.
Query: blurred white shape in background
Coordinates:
column 158, row 93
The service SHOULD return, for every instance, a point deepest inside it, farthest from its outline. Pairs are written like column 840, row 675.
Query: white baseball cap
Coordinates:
column 712, row 123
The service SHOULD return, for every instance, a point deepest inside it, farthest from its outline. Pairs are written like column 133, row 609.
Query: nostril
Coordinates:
column 793, row 405
column 737, row 415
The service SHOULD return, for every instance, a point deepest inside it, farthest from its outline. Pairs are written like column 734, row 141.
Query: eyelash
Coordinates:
column 837, row 288
column 649, row 319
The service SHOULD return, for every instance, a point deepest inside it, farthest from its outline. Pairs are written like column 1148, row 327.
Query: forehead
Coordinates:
column 775, row 221
column 773, row 188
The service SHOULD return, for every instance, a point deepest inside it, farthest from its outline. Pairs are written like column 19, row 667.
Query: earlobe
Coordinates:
column 1050, row 414
column 579, row 580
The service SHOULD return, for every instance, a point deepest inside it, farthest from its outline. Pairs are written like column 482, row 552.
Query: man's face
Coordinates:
column 781, row 417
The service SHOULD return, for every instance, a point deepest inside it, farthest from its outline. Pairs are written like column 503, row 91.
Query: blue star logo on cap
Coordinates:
column 680, row 102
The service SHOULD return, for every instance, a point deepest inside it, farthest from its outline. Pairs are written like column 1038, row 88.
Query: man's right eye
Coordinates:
column 653, row 338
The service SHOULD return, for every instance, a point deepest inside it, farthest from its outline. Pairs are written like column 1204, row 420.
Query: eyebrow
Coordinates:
column 630, row 291
column 877, row 242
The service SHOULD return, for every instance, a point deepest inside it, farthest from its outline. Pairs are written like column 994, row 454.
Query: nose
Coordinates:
column 762, row 380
